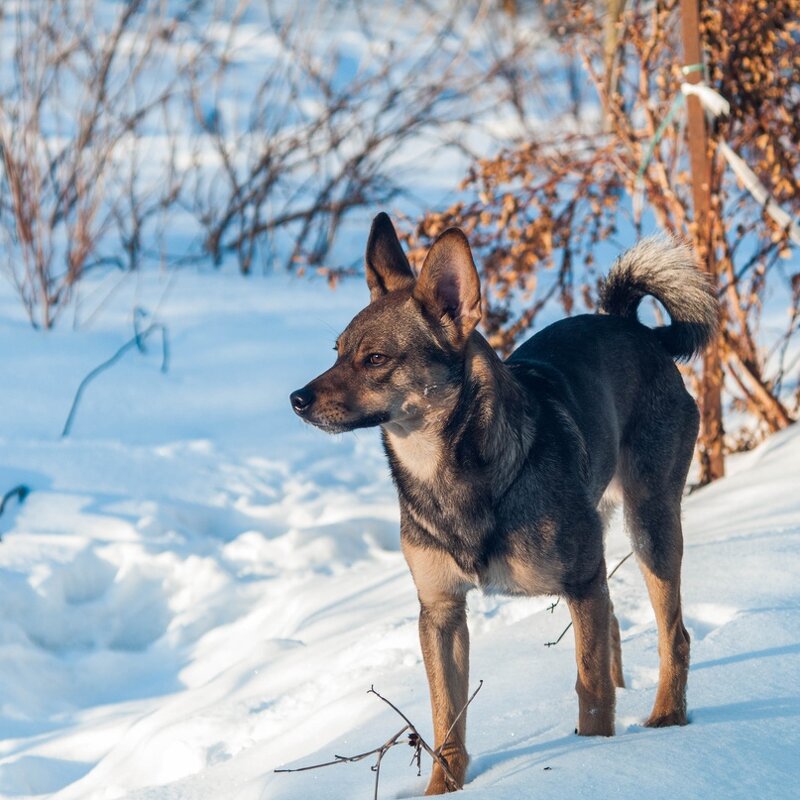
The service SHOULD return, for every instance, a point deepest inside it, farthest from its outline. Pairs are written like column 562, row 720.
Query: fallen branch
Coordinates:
column 563, row 633
column 20, row 492
column 138, row 341
column 414, row 739
column 376, row 767
column 420, row 744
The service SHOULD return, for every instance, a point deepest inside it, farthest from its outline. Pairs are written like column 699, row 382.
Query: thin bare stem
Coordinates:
column 350, row 759
column 415, row 739
column 460, row 714
column 564, row 632
column 137, row 341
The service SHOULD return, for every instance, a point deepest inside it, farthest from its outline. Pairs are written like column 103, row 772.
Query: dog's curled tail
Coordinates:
column 667, row 270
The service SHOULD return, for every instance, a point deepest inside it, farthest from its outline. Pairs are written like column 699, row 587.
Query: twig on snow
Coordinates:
column 20, row 492
column 414, row 739
column 621, row 562
column 376, row 767
column 138, row 341
column 418, row 742
column 550, row 608
column 563, row 634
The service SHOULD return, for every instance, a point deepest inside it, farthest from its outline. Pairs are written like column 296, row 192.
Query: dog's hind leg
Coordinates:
column 654, row 475
column 616, row 649
column 606, row 508
column 658, row 543
column 590, row 609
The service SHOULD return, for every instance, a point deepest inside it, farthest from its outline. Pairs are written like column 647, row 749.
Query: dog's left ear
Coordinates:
column 448, row 285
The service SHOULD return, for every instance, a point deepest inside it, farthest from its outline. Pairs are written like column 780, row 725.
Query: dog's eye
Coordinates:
column 376, row 359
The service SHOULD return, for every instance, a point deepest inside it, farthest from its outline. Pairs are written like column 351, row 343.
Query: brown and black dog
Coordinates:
column 507, row 470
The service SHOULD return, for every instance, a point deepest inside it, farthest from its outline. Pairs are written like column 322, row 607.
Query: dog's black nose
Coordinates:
column 301, row 400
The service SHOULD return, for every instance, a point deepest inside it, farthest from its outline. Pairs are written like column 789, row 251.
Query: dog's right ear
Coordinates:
column 387, row 267
column 449, row 286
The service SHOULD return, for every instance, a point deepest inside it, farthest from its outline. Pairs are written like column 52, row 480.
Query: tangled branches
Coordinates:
column 412, row 738
column 541, row 214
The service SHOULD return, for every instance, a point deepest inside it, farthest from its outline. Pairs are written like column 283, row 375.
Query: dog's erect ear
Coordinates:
column 387, row 267
column 448, row 285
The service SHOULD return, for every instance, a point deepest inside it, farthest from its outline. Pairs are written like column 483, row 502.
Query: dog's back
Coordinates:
column 618, row 377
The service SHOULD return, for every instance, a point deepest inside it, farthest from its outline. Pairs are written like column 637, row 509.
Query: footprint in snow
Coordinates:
column 702, row 619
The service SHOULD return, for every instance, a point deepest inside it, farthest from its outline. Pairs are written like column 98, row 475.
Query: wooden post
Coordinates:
column 711, row 429
column 614, row 11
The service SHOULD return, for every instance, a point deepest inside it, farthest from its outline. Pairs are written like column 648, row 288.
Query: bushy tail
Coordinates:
column 668, row 271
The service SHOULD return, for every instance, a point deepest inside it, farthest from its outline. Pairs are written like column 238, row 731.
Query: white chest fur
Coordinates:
column 418, row 451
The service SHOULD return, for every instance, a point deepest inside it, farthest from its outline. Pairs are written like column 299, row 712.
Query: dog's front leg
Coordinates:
column 442, row 590
column 590, row 609
column 445, row 649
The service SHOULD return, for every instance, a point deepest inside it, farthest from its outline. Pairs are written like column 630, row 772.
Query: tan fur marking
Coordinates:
column 478, row 366
column 612, row 498
column 616, row 651
column 436, row 574
column 613, row 493
column 673, row 650
column 517, row 575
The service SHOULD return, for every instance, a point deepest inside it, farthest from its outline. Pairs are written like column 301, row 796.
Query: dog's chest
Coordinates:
column 519, row 576
column 418, row 454
column 436, row 573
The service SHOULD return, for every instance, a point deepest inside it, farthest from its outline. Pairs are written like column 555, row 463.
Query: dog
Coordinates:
column 507, row 471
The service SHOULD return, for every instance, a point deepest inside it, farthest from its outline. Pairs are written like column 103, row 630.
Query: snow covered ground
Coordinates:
column 199, row 589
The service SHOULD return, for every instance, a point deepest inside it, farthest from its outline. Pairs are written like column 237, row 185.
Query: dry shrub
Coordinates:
column 78, row 91
column 539, row 214
column 182, row 132
column 336, row 120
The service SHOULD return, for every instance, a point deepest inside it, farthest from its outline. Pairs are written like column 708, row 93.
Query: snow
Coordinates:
column 199, row 589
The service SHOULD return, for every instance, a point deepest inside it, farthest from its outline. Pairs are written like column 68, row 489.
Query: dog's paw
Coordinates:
column 440, row 784
column 436, row 786
column 657, row 720
column 605, row 728
column 596, row 721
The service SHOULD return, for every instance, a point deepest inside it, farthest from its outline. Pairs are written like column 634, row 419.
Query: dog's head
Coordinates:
column 402, row 357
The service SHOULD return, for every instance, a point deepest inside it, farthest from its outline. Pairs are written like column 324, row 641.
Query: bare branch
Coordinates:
column 20, row 492
column 415, row 739
column 138, row 341
column 564, row 632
